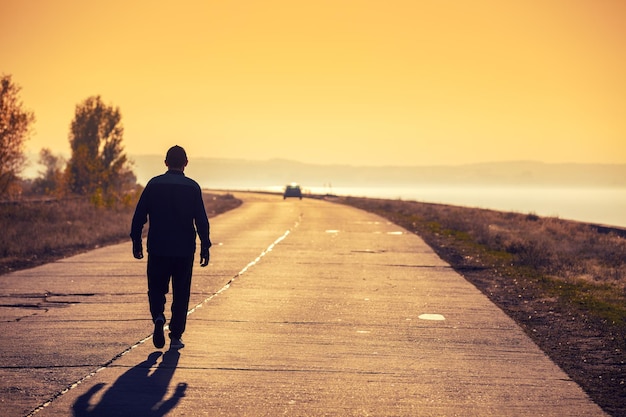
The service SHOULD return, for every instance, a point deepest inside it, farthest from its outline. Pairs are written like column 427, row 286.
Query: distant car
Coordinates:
column 292, row 190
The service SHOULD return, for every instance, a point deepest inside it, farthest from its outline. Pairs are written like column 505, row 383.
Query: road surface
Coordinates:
column 308, row 308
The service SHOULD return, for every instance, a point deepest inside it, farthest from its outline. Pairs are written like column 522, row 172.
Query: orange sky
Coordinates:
column 360, row 82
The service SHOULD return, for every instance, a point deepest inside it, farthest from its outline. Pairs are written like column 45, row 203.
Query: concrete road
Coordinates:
column 308, row 308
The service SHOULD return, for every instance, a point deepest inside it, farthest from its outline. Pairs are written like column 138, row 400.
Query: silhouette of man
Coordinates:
column 173, row 204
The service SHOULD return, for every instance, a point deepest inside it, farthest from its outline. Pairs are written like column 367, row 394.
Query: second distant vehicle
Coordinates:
column 292, row 190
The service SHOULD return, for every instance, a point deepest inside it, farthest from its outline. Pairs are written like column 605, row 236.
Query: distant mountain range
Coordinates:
column 248, row 174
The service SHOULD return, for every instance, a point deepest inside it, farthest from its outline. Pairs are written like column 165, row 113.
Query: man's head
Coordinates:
column 176, row 158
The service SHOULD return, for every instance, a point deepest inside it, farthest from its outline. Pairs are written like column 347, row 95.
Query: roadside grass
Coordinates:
column 564, row 282
column 36, row 232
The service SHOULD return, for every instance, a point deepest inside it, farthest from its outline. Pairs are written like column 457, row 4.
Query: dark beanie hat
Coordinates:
column 176, row 157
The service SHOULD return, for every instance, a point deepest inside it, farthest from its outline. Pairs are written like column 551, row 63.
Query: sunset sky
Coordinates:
column 359, row 82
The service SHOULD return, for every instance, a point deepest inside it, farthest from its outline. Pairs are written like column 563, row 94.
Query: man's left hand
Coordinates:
column 204, row 257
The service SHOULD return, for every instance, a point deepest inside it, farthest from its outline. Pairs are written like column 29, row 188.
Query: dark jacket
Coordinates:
column 173, row 204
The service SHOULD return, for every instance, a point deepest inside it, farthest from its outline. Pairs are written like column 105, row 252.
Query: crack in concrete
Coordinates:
column 277, row 370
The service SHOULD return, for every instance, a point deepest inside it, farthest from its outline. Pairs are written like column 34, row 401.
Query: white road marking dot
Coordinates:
column 438, row 317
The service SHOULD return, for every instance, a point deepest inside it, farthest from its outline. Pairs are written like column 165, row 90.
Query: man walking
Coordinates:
column 173, row 204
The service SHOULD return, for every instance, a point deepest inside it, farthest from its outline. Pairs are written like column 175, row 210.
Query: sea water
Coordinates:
column 606, row 206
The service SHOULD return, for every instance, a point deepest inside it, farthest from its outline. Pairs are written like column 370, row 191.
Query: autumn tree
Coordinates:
column 15, row 129
column 50, row 180
column 98, row 167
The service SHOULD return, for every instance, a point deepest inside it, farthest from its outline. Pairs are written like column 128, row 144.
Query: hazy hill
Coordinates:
column 236, row 173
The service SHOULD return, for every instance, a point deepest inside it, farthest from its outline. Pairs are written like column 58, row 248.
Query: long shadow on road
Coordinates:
column 137, row 392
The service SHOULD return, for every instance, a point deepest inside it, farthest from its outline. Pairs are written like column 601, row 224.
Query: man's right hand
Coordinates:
column 137, row 250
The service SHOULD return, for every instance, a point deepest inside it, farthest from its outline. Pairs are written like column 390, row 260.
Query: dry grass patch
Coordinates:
column 37, row 232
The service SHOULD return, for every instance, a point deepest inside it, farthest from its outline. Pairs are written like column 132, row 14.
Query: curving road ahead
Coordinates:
column 308, row 308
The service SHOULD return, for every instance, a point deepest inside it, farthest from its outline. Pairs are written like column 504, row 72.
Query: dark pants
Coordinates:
column 160, row 270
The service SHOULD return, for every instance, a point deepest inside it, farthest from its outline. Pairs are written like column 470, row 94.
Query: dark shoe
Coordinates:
column 158, row 337
column 177, row 344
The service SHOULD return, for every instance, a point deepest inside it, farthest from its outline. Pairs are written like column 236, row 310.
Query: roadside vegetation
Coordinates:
column 36, row 232
column 564, row 282
column 74, row 205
